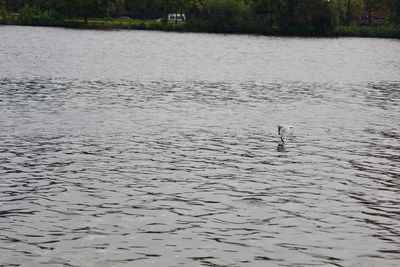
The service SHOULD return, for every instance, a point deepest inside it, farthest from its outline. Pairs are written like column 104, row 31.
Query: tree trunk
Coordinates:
column 165, row 19
column 85, row 12
column 3, row 7
column 369, row 17
column 291, row 8
column 348, row 12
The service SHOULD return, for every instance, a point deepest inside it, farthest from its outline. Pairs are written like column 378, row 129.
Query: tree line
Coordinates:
column 318, row 17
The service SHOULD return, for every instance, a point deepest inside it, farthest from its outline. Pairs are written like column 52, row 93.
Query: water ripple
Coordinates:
column 168, row 173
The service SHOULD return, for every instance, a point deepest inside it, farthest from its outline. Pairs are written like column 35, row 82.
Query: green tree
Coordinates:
column 95, row 8
column 226, row 15
column 144, row 8
column 267, row 12
column 3, row 9
column 392, row 7
column 316, row 16
column 118, row 6
column 344, row 11
column 348, row 9
column 183, row 6
column 371, row 6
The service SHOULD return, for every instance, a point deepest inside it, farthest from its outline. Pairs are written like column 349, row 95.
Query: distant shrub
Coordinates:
column 226, row 16
column 31, row 15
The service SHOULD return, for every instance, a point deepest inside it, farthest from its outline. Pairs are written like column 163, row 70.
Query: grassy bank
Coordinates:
column 93, row 23
column 133, row 24
column 384, row 31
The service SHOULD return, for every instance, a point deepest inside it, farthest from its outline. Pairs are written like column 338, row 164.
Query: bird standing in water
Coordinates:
column 283, row 131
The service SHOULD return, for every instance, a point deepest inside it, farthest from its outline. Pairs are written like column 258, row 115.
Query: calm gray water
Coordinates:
column 131, row 148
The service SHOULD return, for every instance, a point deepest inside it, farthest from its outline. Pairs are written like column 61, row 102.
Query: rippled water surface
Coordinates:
column 130, row 148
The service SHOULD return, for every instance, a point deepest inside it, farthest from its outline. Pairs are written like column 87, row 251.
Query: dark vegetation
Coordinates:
column 378, row 18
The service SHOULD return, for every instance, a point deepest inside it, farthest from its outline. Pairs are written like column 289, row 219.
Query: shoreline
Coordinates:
column 386, row 31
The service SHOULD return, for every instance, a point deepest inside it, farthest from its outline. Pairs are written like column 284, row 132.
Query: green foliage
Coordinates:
column 2, row 7
column 294, row 17
column 32, row 15
column 319, row 17
column 307, row 17
column 396, row 11
column 384, row 31
column 267, row 12
column 3, row 11
column 345, row 11
column 226, row 15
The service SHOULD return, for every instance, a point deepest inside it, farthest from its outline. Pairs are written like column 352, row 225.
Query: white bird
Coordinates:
column 283, row 131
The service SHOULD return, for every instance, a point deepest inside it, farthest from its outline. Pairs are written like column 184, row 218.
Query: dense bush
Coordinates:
column 384, row 31
column 226, row 15
column 35, row 16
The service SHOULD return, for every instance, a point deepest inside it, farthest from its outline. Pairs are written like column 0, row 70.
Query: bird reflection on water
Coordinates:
column 281, row 147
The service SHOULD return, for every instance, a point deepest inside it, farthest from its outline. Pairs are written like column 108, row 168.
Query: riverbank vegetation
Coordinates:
column 371, row 18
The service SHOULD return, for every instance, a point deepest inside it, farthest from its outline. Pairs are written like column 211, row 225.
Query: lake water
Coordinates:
column 134, row 148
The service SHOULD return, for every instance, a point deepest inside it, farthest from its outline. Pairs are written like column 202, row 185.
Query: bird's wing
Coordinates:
column 279, row 129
